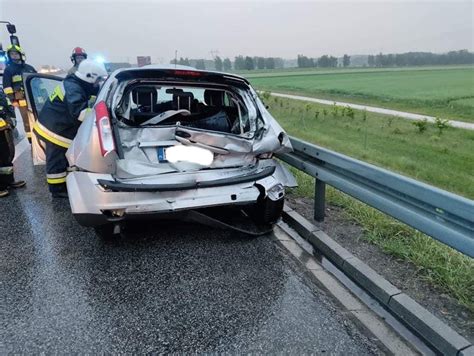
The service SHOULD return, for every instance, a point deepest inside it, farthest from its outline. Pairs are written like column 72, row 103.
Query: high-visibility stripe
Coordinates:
column 56, row 175
column 15, row 47
column 28, row 134
column 16, row 78
column 3, row 123
column 57, row 93
column 56, row 180
column 8, row 90
column 6, row 170
column 51, row 136
column 22, row 102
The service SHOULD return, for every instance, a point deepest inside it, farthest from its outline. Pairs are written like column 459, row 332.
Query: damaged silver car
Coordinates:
column 163, row 140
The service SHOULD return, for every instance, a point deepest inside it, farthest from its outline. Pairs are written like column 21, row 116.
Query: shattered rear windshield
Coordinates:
column 213, row 108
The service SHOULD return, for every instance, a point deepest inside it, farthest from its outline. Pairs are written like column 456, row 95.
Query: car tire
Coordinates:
column 266, row 211
column 107, row 231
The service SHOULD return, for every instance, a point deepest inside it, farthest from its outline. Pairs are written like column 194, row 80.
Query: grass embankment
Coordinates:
column 435, row 92
column 317, row 70
column 444, row 160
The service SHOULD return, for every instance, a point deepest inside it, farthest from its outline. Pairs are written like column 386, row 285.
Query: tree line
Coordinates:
column 326, row 61
column 391, row 60
column 240, row 63
column 420, row 59
column 251, row 63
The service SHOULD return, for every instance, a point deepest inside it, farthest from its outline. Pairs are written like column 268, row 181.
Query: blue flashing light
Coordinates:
column 3, row 59
column 100, row 59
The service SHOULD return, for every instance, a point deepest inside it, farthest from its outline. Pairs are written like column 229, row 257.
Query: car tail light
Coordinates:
column 104, row 128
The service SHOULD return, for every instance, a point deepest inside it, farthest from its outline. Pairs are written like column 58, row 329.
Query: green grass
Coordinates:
column 445, row 160
column 305, row 71
column 468, row 103
column 442, row 266
column 436, row 92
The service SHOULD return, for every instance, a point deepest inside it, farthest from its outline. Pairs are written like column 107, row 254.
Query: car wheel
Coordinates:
column 108, row 231
column 266, row 211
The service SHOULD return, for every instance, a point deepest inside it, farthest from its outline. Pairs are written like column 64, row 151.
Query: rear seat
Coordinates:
column 214, row 97
column 146, row 99
column 183, row 100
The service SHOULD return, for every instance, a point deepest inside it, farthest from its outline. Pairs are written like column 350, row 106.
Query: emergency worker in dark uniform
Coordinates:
column 13, row 82
column 7, row 147
column 61, row 117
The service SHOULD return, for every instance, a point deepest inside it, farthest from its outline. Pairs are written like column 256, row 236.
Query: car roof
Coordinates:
column 152, row 70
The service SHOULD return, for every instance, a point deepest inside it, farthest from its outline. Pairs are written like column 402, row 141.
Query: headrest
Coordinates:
column 183, row 100
column 144, row 96
column 214, row 97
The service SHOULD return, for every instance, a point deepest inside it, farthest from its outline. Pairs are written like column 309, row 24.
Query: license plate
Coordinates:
column 162, row 154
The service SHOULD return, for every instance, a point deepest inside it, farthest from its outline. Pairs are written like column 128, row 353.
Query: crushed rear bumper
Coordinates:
column 128, row 187
column 97, row 199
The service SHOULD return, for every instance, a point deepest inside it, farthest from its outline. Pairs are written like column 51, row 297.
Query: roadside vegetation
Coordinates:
column 447, row 93
column 282, row 72
column 439, row 264
column 434, row 153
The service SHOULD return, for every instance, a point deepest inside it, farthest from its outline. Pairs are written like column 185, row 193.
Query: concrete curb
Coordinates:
column 432, row 330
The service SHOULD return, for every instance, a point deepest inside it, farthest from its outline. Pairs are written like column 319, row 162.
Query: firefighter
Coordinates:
column 13, row 82
column 77, row 56
column 61, row 117
column 7, row 146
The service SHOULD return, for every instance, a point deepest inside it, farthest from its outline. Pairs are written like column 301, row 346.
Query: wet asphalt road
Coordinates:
column 169, row 287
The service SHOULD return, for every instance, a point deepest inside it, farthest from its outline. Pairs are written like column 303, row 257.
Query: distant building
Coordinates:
column 143, row 60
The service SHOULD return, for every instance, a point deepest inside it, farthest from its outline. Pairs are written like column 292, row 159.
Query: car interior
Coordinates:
column 203, row 108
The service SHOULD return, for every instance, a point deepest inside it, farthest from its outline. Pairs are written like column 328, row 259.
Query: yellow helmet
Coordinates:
column 18, row 49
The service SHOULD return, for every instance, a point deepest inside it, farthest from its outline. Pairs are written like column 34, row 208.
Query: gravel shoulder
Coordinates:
column 402, row 274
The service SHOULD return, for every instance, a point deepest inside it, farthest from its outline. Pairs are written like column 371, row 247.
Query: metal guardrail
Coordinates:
column 447, row 217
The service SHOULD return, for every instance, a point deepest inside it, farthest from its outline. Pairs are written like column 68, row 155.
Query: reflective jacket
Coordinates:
column 60, row 116
column 13, row 80
column 6, row 109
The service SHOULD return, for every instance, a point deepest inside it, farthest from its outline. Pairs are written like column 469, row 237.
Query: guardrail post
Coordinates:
column 319, row 199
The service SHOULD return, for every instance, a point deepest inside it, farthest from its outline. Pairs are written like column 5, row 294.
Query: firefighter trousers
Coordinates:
column 7, row 153
column 56, row 167
column 26, row 121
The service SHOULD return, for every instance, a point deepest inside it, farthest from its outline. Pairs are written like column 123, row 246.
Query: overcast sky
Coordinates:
column 121, row 30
